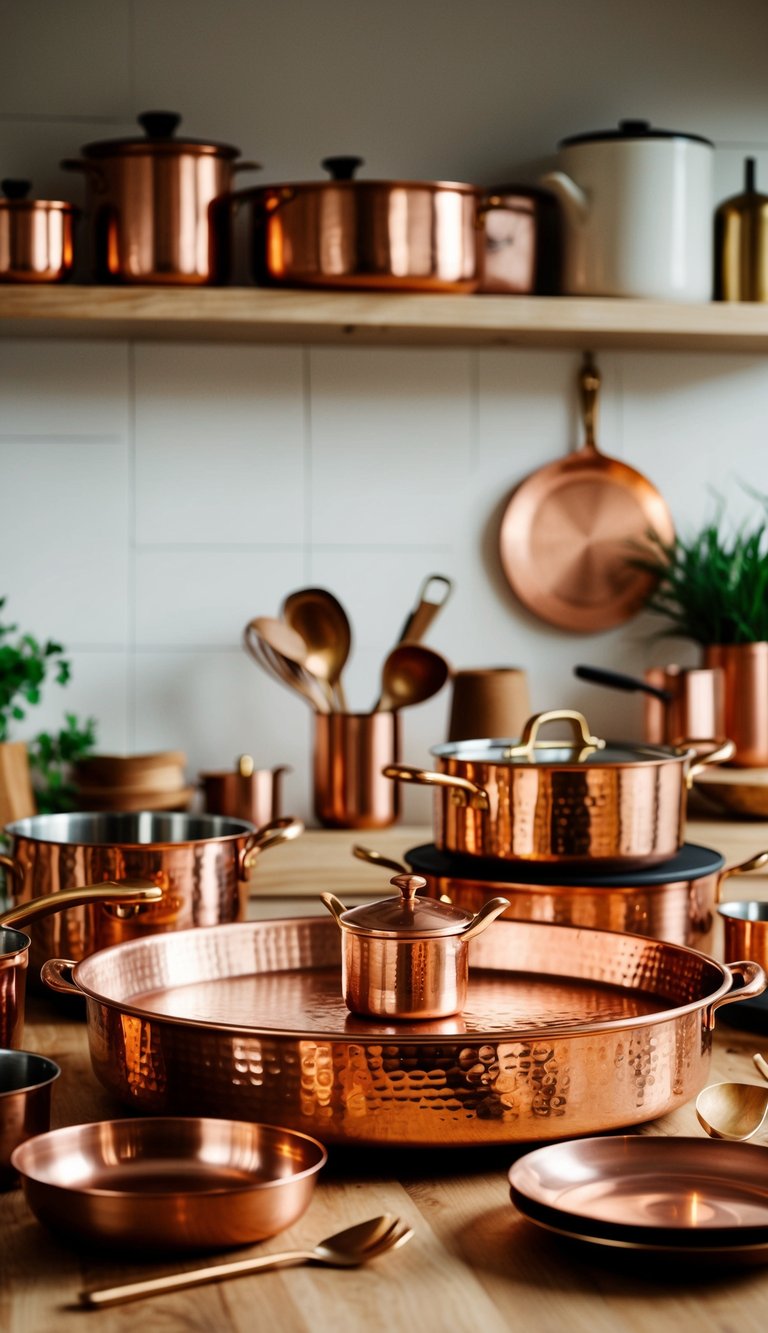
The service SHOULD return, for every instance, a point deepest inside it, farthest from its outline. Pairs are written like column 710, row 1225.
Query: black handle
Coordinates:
column 159, row 124
column 341, row 168
column 749, row 175
column 617, row 681
column 13, row 189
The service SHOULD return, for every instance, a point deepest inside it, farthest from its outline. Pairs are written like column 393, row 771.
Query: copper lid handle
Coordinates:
column 409, row 886
column 578, row 722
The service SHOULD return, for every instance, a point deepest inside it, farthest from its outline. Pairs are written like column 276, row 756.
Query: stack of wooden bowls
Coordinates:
column 133, row 782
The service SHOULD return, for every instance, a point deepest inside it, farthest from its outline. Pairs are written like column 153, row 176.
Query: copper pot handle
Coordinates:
column 269, row 835
column 720, row 753
column 377, row 859
column 16, row 870
column 52, row 975
column 127, row 893
column 90, row 169
column 462, row 791
column 755, row 982
column 755, row 862
column 246, row 166
column 530, row 732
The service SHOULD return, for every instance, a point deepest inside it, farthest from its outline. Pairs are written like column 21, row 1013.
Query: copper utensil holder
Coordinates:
column 696, row 708
column 488, row 702
column 745, row 668
column 255, row 796
column 350, row 751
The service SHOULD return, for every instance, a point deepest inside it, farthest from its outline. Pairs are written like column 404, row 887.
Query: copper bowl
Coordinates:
column 26, row 1082
column 171, row 1184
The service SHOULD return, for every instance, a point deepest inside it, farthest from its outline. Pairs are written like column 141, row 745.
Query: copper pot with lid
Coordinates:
column 153, row 204
column 382, row 234
column 407, row 957
column 36, row 235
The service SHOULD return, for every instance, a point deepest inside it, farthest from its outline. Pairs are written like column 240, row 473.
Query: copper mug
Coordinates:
column 694, row 705
column 350, row 751
column 407, row 957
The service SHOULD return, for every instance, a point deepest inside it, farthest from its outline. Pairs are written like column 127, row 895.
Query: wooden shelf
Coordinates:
column 249, row 314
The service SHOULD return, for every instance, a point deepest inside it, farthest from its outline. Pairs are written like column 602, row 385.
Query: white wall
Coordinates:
column 157, row 496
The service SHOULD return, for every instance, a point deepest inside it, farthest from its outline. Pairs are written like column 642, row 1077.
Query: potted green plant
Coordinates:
column 713, row 589
column 33, row 775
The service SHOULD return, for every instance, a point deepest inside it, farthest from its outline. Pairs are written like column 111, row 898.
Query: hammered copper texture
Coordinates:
column 14, row 959
column 533, row 1058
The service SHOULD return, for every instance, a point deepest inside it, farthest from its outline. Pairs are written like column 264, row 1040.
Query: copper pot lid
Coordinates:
column 407, row 914
column 160, row 128
column 342, row 173
column 584, row 748
column 14, row 198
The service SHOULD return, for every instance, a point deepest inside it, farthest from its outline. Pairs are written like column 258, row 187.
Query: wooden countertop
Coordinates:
column 473, row 1263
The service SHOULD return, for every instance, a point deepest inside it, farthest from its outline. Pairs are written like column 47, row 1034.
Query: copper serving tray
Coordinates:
column 566, row 1031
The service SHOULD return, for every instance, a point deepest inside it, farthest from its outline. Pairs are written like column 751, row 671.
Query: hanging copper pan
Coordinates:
column 571, row 528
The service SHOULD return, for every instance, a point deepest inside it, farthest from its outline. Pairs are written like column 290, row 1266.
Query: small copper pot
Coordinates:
column 405, row 957
column 26, row 1082
column 745, row 667
column 746, row 930
column 580, row 800
column 392, row 234
column 153, row 204
column 244, row 792
column 36, row 236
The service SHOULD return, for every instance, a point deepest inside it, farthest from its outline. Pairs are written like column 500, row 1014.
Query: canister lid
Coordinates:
column 407, row 914
column 632, row 129
column 159, row 130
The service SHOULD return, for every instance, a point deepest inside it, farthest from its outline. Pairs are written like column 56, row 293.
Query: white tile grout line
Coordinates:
column 131, row 571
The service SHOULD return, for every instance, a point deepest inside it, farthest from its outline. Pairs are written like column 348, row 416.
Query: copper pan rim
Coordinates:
column 19, row 829
column 404, row 1037
column 463, row 187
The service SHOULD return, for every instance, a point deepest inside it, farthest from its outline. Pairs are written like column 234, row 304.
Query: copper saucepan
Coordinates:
column 391, row 234
column 202, row 863
column 14, row 944
column 36, row 236
column 609, row 804
column 675, row 901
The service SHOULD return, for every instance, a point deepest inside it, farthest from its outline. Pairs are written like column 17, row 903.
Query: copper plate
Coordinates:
column 570, row 530
column 648, row 1191
column 565, row 1031
column 173, row 1183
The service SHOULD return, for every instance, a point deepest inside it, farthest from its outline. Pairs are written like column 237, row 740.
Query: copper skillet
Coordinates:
column 570, row 529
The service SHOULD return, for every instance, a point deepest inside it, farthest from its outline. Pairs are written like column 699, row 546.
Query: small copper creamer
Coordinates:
column 407, row 957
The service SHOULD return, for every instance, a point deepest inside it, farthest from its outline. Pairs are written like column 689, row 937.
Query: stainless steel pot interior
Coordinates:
column 144, row 828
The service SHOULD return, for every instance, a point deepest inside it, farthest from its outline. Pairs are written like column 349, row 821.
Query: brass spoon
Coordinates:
column 321, row 621
column 411, row 674
column 761, row 1064
column 347, row 1249
column 734, row 1111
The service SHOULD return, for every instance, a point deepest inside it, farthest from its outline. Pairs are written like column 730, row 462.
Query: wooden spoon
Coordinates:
column 733, row 1111
column 321, row 621
column 411, row 674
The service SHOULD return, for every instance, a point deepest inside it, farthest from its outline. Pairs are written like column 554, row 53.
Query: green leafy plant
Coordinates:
column 24, row 665
column 713, row 587
column 51, row 757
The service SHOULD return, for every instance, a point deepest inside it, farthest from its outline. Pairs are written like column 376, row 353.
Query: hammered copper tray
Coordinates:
column 566, row 1031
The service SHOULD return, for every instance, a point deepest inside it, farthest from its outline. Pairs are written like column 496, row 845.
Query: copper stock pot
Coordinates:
column 36, row 236
column 611, row 804
column 391, row 234
column 152, row 204
column 200, row 862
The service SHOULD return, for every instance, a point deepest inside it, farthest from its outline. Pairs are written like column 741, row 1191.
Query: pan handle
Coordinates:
column 529, row 738
column 52, row 975
column 755, row 862
column 16, row 870
column 462, row 791
column 616, row 680
column 755, row 982
column 269, row 835
column 707, row 752
column 377, row 859
column 127, row 893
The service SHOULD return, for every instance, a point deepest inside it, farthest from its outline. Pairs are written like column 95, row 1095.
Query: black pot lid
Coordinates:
column 159, row 138
column 632, row 129
column 690, row 863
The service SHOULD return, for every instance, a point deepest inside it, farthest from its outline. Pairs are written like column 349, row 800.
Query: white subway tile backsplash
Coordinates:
column 62, row 388
column 205, row 598
column 391, row 432
column 98, row 688
column 219, row 445
column 64, row 540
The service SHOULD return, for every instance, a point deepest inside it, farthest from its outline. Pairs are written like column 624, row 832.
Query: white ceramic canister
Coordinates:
column 637, row 213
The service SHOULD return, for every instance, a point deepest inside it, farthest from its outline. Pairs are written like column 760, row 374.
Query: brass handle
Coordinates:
column 529, row 737
column 463, row 792
column 335, row 907
column 376, row 859
column 760, row 1064
column 52, row 974
column 15, row 869
column 128, row 893
column 589, row 383
column 717, row 754
column 755, row 862
column 269, row 835
column 488, row 913
column 755, row 982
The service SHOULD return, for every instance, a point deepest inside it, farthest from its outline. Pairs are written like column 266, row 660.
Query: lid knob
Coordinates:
column 634, row 126
column 245, row 765
column 13, row 189
column 159, row 124
column 409, row 886
column 341, row 168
